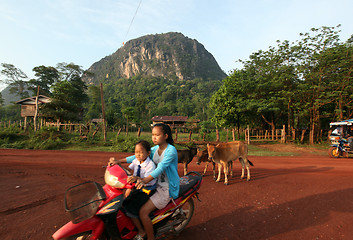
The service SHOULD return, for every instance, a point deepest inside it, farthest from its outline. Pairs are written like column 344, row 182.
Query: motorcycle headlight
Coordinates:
column 112, row 180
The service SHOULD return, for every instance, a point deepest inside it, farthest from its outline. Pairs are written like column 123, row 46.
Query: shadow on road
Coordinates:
column 252, row 223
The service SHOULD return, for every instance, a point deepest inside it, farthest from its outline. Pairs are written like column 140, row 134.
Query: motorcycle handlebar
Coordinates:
column 132, row 185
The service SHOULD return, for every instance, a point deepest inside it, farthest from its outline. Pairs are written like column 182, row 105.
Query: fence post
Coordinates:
column 283, row 134
column 139, row 132
column 302, row 137
column 103, row 114
column 118, row 133
column 248, row 134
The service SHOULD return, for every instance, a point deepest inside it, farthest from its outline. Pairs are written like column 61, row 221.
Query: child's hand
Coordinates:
column 140, row 183
column 112, row 161
column 131, row 179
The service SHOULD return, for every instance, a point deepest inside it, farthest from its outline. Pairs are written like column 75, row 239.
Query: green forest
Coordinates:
column 303, row 84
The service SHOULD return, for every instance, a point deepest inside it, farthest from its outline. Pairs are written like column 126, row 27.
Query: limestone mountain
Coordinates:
column 170, row 55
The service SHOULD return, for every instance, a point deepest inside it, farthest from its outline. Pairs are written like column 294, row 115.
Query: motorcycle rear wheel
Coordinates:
column 334, row 152
column 185, row 214
column 84, row 236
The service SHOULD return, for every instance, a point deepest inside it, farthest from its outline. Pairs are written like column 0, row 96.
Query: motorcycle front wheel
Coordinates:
column 183, row 216
column 334, row 152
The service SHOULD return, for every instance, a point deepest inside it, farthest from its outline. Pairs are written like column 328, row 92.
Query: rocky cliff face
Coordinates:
column 169, row 55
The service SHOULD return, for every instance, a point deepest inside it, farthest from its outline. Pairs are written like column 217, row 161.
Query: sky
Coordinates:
column 48, row 32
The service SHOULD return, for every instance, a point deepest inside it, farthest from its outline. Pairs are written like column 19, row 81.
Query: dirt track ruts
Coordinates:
column 301, row 197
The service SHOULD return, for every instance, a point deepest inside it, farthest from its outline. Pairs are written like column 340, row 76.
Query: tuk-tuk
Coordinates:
column 341, row 138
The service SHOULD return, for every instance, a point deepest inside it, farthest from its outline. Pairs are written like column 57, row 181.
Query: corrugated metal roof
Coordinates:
column 32, row 100
column 340, row 123
column 170, row 118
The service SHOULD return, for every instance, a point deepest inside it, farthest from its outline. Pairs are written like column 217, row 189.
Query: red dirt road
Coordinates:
column 302, row 197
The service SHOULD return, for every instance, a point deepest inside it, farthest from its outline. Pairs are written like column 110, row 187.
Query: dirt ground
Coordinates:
column 300, row 197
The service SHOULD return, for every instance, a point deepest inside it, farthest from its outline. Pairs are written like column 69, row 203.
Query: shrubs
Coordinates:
column 49, row 138
column 126, row 144
column 12, row 137
column 45, row 138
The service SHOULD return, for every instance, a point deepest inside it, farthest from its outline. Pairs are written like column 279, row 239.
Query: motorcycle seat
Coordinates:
column 187, row 182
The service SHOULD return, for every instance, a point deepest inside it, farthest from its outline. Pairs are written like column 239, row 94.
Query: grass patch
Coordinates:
column 50, row 138
column 89, row 148
column 262, row 152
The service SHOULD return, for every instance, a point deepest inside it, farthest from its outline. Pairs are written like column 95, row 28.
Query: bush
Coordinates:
column 45, row 138
column 11, row 137
column 126, row 144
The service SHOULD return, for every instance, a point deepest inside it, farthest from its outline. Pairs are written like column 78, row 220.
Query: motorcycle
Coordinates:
column 339, row 146
column 97, row 212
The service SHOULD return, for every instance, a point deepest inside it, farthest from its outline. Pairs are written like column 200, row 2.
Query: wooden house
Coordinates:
column 28, row 105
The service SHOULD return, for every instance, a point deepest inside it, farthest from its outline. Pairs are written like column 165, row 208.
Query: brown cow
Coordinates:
column 224, row 153
column 202, row 156
column 185, row 156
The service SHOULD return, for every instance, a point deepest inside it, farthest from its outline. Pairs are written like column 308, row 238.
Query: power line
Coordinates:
column 132, row 20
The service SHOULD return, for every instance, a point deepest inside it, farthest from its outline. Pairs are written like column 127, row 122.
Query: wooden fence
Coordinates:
column 250, row 135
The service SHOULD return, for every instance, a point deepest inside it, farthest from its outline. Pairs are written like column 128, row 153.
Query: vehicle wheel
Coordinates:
column 334, row 152
column 84, row 236
column 184, row 214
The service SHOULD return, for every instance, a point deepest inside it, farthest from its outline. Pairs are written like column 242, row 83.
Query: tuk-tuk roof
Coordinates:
column 348, row 122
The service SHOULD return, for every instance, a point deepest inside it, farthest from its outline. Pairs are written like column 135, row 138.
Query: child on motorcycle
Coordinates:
column 165, row 156
column 142, row 166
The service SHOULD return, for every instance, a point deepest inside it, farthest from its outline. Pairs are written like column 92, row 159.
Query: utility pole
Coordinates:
column 36, row 112
column 103, row 113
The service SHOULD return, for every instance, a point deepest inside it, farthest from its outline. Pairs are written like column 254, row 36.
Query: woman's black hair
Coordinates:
column 166, row 130
column 146, row 145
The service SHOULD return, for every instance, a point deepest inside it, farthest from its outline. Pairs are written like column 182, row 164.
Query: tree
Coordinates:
column 141, row 109
column 261, row 90
column 1, row 100
column 129, row 114
column 310, row 79
column 68, row 95
column 338, row 61
column 314, row 84
column 15, row 78
column 46, row 77
column 94, row 106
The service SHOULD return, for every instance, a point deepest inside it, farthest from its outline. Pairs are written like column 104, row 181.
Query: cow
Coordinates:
column 185, row 156
column 223, row 153
column 202, row 156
